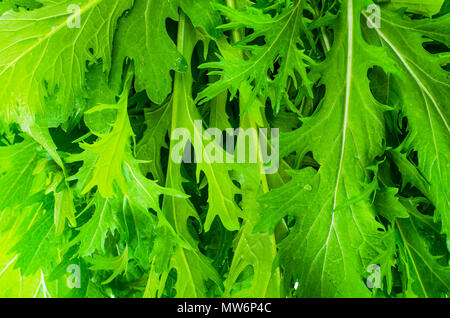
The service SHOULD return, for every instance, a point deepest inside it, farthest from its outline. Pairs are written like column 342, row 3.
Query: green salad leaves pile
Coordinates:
column 93, row 204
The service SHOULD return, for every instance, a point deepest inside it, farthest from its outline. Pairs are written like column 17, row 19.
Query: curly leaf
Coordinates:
column 48, row 56
column 425, row 92
column 337, row 217
column 283, row 44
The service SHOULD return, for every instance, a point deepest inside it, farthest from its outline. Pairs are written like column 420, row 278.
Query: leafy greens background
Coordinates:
column 85, row 174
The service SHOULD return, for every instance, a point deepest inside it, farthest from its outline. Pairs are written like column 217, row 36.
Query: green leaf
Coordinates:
column 221, row 190
column 16, row 172
column 256, row 251
column 429, row 8
column 149, row 148
column 338, row 217
column 94, row 117
column 64, row 209
column 6, row 5
column 117, row 264
column 105, row 160
column 110, row 166
column 387, row 260
column 56, row 52
column 93, row 233
column 142, row 37
column 388, row 205
column 283, row 44
column 424, row 274
column 36, row 247
column 424, row 90
column 177, row 250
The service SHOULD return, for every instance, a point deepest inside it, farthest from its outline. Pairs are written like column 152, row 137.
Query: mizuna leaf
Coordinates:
column 388, row 205
column 425, row 91
column 6, row 5
column 388, row 261
column 36, row 246
column 253, row 251
column 179, row 251
column 56, row 50
column 149, row 149
column 142, row 36
column 424, row 274
column 103, row 101
column 105, row 160
column 409, row 243
column 140, row 233
column 27, row 210
column 16, row 172
column 221, row 190
column 110, row 166
column 338, row 217
column 283, row 44
column 429, row 8
column 203, row 15
column 117, row 264
column 64, row 209
column 93, row 233
column 198, row 269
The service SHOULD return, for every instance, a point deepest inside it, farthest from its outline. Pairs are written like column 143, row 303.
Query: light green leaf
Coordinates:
column 36, row 247
column 424, row 275
column 93, row 234
column 427, row 8
column 388, row 205
column 336, row 233
column 149, row 148
column 254, row 252
column 176, row 248
column 117, row 264
column 64, row 209
column 16, row 172
column 425, row 91
column 48, row 56
column 221, row 190
column 105, row 159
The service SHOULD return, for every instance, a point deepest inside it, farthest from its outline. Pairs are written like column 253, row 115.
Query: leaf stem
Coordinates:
column 325, row 41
